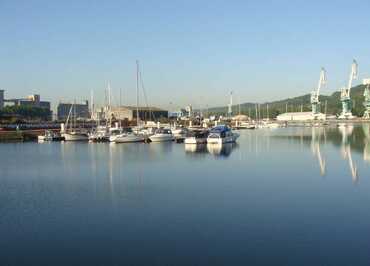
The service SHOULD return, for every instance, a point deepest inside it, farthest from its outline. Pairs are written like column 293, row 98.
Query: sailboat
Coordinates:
column 72, row 134
column 127, row 135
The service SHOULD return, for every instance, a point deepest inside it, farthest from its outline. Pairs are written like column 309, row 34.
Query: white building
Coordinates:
column 300, row 116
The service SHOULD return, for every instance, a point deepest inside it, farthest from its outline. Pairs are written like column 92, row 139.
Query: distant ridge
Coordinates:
column 296, row 104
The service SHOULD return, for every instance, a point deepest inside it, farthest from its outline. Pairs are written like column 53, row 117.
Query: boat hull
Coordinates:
column 161, row 138
column 44, row 138
column 75, row 137
column 220, row 140
column 128, row 139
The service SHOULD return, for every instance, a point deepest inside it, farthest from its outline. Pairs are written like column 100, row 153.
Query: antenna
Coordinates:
column 109, row 95
column 137, row 92
column 230, row 111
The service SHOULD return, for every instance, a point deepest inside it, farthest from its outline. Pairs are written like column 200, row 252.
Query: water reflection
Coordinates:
column 366, row 130
column 348, row 140
column 218, row 150
column 221, row 149
column 317, row 134
column 196, row 148
column 347, row 130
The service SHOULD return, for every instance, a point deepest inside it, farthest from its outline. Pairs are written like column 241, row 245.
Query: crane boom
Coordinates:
column 322, row 80
column 353, row 76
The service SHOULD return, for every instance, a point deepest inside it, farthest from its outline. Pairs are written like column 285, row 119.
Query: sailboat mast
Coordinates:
column 137, row 92
column 239, row 105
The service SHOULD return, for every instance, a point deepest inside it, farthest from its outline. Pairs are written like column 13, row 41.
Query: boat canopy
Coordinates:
column 220, row 129
column 197, row 134
column 163, row 131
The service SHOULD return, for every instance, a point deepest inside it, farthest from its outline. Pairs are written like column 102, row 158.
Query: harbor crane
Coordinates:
column 346, row 93
column 366, row 82
column 315, row 101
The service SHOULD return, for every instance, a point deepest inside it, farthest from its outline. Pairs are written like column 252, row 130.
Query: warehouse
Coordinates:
column 129, row 113
column 300, row 116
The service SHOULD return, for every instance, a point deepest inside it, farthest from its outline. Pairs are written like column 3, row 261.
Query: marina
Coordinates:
column 184, row 133
column 106, row 200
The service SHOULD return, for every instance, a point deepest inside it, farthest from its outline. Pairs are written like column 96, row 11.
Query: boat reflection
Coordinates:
column 219, row 150
column 196, row 148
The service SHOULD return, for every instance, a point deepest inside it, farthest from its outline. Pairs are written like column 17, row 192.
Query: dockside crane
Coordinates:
column 366, row 82
column 345, row 95
column 315, row 101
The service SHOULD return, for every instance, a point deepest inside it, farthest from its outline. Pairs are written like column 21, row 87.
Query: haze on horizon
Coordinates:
column 190, row 52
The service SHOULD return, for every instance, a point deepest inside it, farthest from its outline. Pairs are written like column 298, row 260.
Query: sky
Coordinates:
column 190, row 52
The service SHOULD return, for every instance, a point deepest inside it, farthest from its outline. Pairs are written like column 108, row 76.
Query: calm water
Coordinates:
column 294, row 196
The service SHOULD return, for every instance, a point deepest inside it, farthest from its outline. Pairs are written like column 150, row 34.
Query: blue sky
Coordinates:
column 191, row 52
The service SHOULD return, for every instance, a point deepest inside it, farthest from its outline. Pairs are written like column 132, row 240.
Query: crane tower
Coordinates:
column 366, row 82
column 346, row 93
column 315, row 101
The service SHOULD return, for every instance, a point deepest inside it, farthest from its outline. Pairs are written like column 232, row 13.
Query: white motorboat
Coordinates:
column 162, row 135
column 49, row 136
column 196, row 137
column 127, row 136
column 179, row 132
column 100, row 134
column 75, row 136
column 246, row 125
column 222, row 134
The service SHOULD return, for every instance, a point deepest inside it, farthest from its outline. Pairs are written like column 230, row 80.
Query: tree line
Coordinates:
column 26, row 112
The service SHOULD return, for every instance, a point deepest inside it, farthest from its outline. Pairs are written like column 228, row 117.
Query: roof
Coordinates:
column 296, row 114
column 240, row 117
column 133, row 108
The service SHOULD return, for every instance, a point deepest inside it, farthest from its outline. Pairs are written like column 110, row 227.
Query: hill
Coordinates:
column 297, row 104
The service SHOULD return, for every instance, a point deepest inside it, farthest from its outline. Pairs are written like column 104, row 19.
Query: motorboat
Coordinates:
column 196, row 137
column 245, row 125
column 127, row 135
column 179, row 132
column 75, row 135
column 50, row 136
column 100, row 134
column 162, row 134
column 222, row 134
column 114, row 132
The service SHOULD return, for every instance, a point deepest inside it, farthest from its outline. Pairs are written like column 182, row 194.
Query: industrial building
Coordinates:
column 129, row 113
column 80, row 110
column 300, row 116
column 32, row 100
column 1, row 99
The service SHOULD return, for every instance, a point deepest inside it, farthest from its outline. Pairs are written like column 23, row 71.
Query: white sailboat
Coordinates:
column 126, row 135
column 72, row 134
